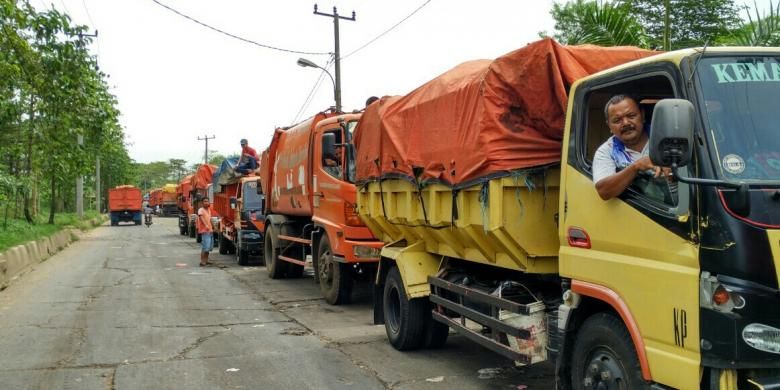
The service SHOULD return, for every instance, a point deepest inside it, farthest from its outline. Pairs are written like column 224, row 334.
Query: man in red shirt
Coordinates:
column 206, row 232
column 248, row 161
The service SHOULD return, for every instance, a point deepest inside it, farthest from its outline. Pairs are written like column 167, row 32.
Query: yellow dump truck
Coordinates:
column 647, row 290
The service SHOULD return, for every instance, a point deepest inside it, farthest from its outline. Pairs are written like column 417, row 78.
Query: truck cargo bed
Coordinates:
column 508, row 222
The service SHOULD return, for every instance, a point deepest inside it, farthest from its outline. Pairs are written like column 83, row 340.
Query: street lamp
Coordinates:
column 302, row 62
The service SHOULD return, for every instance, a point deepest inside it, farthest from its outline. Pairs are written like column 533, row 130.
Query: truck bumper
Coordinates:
column 354, row 251
column 251, row 241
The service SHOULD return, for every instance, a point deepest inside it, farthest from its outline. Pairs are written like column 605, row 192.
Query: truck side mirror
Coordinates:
column 671, row 133
column 233, row 202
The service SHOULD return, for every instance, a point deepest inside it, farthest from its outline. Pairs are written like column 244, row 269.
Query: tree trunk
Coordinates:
column 53, row 198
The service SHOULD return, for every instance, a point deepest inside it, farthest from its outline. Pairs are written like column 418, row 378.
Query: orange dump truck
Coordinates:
column 183, row 205
column 238, row 200
column 155, row 196
column 168, row 206
column 308, row 175
column 124, row 204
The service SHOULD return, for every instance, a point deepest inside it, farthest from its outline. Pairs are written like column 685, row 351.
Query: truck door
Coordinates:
column 638, row 247
column 329, row 180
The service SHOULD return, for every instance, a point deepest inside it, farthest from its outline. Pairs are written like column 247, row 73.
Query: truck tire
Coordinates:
column 243, row 256
column 277, row 269
column 334, row 278
column 192, row 231
column 137, row 222
column 404, row 318
column 223, row 245
column 604, row 356
column 183, row 230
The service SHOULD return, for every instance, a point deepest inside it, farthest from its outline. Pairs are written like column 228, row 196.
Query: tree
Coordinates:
column 176, row 168
column 761, row 31
column 51, row 94
column 600, row 23
column 686, row 23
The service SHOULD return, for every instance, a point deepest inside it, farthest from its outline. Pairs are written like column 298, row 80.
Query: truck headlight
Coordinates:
column 762, row 337
column 362, row 251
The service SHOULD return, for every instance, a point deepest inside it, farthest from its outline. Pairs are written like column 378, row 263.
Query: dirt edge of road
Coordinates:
column 18, row 260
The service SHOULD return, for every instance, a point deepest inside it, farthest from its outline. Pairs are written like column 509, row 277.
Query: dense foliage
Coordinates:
column 654, row 24
column 51, row 94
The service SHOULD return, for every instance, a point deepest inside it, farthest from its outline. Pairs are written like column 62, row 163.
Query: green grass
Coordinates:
column 19, row 231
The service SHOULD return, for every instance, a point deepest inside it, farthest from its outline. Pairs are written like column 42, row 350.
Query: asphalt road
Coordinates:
column 128, row 307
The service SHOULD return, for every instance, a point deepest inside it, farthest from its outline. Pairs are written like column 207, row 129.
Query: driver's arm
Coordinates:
column 609, row 182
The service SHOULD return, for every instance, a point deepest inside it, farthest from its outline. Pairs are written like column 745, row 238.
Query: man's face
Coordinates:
column 206, row 203
column 626, row 122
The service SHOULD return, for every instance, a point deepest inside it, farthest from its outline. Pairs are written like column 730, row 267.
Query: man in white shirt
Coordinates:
column 618, row 161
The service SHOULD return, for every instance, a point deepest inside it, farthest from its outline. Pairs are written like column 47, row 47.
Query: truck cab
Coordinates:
column 310, row 171
column 699, row 289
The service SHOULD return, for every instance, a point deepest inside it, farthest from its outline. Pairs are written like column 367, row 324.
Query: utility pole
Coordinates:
column 206, row 154
column 337, row 55
column 80, row 186
column 97, row 184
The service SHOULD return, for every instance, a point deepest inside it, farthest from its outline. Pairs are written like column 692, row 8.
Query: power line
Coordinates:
column 313, row 90
column 386, row 31
column 236, row 36
column 92, row 24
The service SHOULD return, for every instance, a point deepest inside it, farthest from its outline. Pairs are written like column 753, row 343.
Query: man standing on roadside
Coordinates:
column 206, row 232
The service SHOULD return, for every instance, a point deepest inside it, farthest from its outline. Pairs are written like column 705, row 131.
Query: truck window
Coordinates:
column 252, row 200
column 647, row 91
column 333, row 153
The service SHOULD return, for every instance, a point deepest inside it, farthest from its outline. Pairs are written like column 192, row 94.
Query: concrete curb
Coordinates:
column 17, row 260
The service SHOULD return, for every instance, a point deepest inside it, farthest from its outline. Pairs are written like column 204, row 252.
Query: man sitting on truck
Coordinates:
column 625, row 155
column 248, row 161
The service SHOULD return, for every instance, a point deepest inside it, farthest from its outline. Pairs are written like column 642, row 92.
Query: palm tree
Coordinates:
column 763, row 31
column 600, row 23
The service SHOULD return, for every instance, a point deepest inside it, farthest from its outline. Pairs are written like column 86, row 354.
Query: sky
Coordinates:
column 177, row 81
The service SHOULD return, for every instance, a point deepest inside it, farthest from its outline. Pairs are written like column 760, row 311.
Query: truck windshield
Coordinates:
column 252, row 200
column 741, row 115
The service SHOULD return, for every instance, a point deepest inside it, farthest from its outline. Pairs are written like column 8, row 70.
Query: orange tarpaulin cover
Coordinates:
column 202, row 177
column 482, row 118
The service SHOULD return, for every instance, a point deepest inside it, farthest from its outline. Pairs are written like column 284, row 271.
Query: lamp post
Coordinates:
column 302, row 62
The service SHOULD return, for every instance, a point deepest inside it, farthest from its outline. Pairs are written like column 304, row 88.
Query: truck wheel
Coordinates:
column 137, row 222
column 604, row 356
column 192, row 231
column 335, row 279
column 404, row 318
column 183, row 230
column 276, row 268
column 243, row 256
column 223, row 245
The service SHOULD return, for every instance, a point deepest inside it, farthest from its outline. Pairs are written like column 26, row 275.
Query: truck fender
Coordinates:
column 611, row 298
column 278, row 223
column 415, row 265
